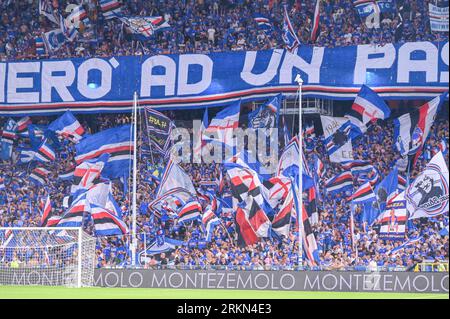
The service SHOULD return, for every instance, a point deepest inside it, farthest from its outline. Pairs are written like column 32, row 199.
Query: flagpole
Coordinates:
column 134, row 203
column 299, row 80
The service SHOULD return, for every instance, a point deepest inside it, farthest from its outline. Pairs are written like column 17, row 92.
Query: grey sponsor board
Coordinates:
column 275, row 280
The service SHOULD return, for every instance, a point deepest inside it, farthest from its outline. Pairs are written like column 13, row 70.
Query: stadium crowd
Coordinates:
column 204, row 26
column 20, row 198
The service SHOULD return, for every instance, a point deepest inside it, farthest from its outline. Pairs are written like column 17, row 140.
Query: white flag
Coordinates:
column 428, row 195
column 337, row 138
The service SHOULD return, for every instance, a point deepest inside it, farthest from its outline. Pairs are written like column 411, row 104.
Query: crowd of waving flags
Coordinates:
column 78, row 25
column 99, row 157
column 263, row 205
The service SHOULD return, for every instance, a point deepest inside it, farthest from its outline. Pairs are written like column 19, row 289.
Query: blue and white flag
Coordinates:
column 2, row 183
column 262, row 21
column 174, row 177
column 428, row 195
column 367, row 107
column 387, row 189
column 340, row 183
column 54, row 40
column 46, row 9
column 407, row 244
column 106, row 223
column 143, row 28
column 160, row 246
column 288, row 164
column 8, row 137
column 40, row 46
column 77, row 17
column 39, row 176
column 357, row 166
column 369, row 7
column 209, row 221
column 117, row 142
column 26, row 155
column 223, row 125
column 67, row 126
column 337, row 138
column 74, row 216
column 110, row 8
column 45, row 152
column 411, row 129
column 266, row 116
column 68, row 29
column 289, row 35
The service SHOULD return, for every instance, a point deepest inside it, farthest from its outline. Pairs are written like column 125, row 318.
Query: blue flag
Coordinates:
column 8, row 137
column 386, row 189
column 266, row 116
column 115, row 141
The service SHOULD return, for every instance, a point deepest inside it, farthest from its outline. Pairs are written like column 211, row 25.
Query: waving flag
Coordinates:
column 276, row 190
column 77, row 16
column 411, row 130
column 340, row 183
column 45, row 153
column 289, row 36
column 282, row 220
column 251, row 223
column 316, row 21
column 106, row 223
column 54, row 40
column 428, row 195
column 338, row 138
column 8, row 137
column 367, row 107
column 363, row 194
column 46, row 9
column 2, row 183
column 143, row 28
column 373, row 177
column 68, row 28
column 262, row 21
column 367, row 7
column 401, row 182
column 117, row 142
column 266, row 116
column 39, row 175
column 174, row 177
column 40, row 46
column 319, row 167
column 387, row 189
column 22, row 125
column 223, row 125
column 288, row 164
column 46, row 211
column 88, row 173
column 209, row 221
column 73, row 217
column 357, row 166
column 110, row 8
column 189, row 212
column 393, row 220
column 26, row 155
column 67, row 126
column 309, row 241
